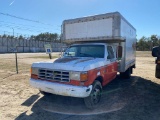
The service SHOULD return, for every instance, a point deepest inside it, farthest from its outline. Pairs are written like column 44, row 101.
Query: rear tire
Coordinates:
column 157, row 73
column 95, row 96
column 126, row 74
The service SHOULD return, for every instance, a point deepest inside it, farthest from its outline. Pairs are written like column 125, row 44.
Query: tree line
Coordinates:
column 55, row 37
column 147, row 43
column 143, row 44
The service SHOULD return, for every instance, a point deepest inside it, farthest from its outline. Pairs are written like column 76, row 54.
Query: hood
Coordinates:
column 72, row 60
column 72, row 64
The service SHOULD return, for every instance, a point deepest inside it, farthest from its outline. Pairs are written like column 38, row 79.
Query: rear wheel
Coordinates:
column 157, row 74
column 126, row 74
column 94, row 98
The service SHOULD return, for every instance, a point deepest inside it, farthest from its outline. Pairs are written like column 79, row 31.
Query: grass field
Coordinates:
column 136, row 98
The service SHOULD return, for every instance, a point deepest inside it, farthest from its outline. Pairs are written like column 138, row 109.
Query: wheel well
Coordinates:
column 100, row 79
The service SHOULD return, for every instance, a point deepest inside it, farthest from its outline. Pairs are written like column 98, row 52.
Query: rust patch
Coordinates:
column 64, row 60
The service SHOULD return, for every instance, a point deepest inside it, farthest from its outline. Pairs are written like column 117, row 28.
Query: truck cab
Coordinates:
column 95, row 59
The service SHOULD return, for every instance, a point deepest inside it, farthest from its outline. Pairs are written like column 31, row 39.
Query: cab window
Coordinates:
column 110, row 52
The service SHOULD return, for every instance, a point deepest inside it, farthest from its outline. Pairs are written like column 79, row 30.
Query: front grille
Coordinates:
column 55, row 75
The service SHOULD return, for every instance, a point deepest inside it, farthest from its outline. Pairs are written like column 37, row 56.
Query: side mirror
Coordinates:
column 119, row 52
column 63, row 52
column 156, row 51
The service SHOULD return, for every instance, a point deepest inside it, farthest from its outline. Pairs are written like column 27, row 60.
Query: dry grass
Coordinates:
column 143, row 54
column 43, row 57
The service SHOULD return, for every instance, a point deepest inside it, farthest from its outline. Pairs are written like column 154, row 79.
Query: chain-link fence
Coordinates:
column 7, row 44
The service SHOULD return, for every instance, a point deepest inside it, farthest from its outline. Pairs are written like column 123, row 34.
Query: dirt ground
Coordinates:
column 137, row 98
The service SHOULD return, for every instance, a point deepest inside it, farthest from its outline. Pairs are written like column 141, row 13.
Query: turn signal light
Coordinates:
column 83, row 77
column 31, row 70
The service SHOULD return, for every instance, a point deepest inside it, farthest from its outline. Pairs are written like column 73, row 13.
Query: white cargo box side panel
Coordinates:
column 129, row 51
column 89, row 29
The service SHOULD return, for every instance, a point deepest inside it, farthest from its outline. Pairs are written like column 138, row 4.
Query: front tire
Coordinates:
column 95, row 96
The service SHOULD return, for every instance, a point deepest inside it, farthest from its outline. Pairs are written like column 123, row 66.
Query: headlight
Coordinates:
column 79, row 76
column 75, row 76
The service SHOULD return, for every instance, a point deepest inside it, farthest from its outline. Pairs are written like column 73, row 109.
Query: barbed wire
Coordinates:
column 33, row 29
column 26, row 19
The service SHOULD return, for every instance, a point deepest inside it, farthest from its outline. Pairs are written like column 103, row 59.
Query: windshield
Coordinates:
column 96, row 51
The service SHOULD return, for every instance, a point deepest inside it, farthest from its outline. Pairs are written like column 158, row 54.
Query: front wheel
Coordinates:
column 94, row 98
